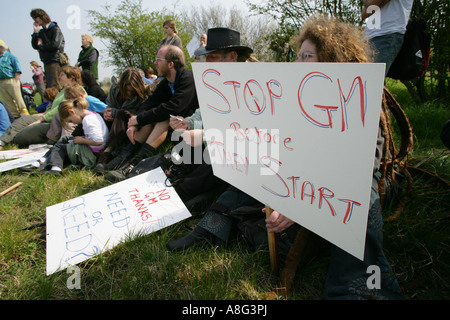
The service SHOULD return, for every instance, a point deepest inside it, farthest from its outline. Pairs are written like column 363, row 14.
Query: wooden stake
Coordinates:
column 292, row 260
column 273, row 251
column 10, row 189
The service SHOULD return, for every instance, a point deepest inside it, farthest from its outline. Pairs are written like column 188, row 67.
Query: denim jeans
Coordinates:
column 386, row 48
column 347, row 276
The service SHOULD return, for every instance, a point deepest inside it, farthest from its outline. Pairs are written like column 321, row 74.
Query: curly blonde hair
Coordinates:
column 335, row 40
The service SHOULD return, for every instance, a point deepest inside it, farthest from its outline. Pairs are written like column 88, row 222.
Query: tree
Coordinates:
column 290, row 15
column 293, row 12
column 254, row 30
column 133, row 34
column 436, row 83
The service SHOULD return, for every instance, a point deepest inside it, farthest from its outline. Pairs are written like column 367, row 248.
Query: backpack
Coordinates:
column 413, row 58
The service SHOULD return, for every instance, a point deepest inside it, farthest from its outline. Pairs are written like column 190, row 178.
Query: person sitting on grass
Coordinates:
column 125, row 97
column 79, row 150
column 48, row 97
column 46, row 127
column 174, row 95
column 33, row 129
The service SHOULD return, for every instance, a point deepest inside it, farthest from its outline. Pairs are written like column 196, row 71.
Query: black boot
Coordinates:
column 145, row 152
column 125, row 154
column 121, row 173
column 198, row 235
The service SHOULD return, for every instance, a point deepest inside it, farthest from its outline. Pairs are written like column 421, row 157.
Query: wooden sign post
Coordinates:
column 273, row 250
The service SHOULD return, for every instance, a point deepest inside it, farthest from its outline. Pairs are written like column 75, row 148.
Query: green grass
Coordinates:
column 416, row 244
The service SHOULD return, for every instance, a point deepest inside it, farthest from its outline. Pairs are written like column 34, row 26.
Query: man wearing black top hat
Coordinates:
column 224, row 45
column 215, row 227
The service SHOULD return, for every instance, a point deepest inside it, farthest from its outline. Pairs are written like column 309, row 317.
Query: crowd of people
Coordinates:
column 119, row 134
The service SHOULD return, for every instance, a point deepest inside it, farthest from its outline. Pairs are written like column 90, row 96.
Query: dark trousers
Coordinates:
column 52, row 71
column 57, row 155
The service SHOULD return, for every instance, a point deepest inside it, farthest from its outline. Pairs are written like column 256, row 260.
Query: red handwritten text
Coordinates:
column 289, row 187
column 142, row 203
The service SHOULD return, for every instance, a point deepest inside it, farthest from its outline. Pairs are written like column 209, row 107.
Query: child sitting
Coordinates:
column 80, row 150
column 48, row 96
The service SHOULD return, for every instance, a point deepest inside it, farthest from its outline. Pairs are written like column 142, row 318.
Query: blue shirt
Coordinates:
column 96, row 104
column 4, row 119
column 9, row 65
column 172, row 87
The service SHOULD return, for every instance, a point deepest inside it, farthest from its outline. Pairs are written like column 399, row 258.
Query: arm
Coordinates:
column 53, row 40
column 39, row 120
column 90, row 60
column 90, row 142
column 93, row 129
column 16, row 67
column 156, row 110
column 195, row 121
column 35, row 38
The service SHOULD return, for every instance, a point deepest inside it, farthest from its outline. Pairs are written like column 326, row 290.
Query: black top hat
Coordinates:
column 221, row 39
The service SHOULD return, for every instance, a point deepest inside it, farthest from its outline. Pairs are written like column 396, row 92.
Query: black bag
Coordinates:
column 196, row 184
column 413, row 58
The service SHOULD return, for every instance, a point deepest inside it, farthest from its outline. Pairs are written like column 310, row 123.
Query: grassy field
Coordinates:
column 416, row 244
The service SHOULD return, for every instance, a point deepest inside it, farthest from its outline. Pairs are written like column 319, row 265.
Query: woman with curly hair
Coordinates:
column 324, row 39
column 334, row 41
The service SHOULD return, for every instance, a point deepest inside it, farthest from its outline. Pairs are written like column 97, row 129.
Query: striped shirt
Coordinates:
column 9, row 66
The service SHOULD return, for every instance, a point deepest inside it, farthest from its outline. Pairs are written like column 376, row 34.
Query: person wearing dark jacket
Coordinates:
column 49, row 42
column 88, row 57
column 91, row 86
column 174, row 95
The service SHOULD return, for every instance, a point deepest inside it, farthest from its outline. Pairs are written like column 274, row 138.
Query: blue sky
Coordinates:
column 16, row 25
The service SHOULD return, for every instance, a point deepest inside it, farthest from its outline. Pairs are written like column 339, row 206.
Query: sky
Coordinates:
column 16, row 25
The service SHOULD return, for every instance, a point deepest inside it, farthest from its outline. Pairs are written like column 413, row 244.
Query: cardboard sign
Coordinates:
column 192, row 46
column 83, row 227
column 22, row 157
column 20, row 153
column 299, row 137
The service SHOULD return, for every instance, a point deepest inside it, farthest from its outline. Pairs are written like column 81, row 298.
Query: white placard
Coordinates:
column 299, row 137
column 20, row 153
column 22, row 157
column 83, row 227
column 192, row 46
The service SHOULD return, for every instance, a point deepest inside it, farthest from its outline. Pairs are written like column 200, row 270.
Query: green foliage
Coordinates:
column 290, row 14
column 437, row 84
column 426, row 119
column 132, row 33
